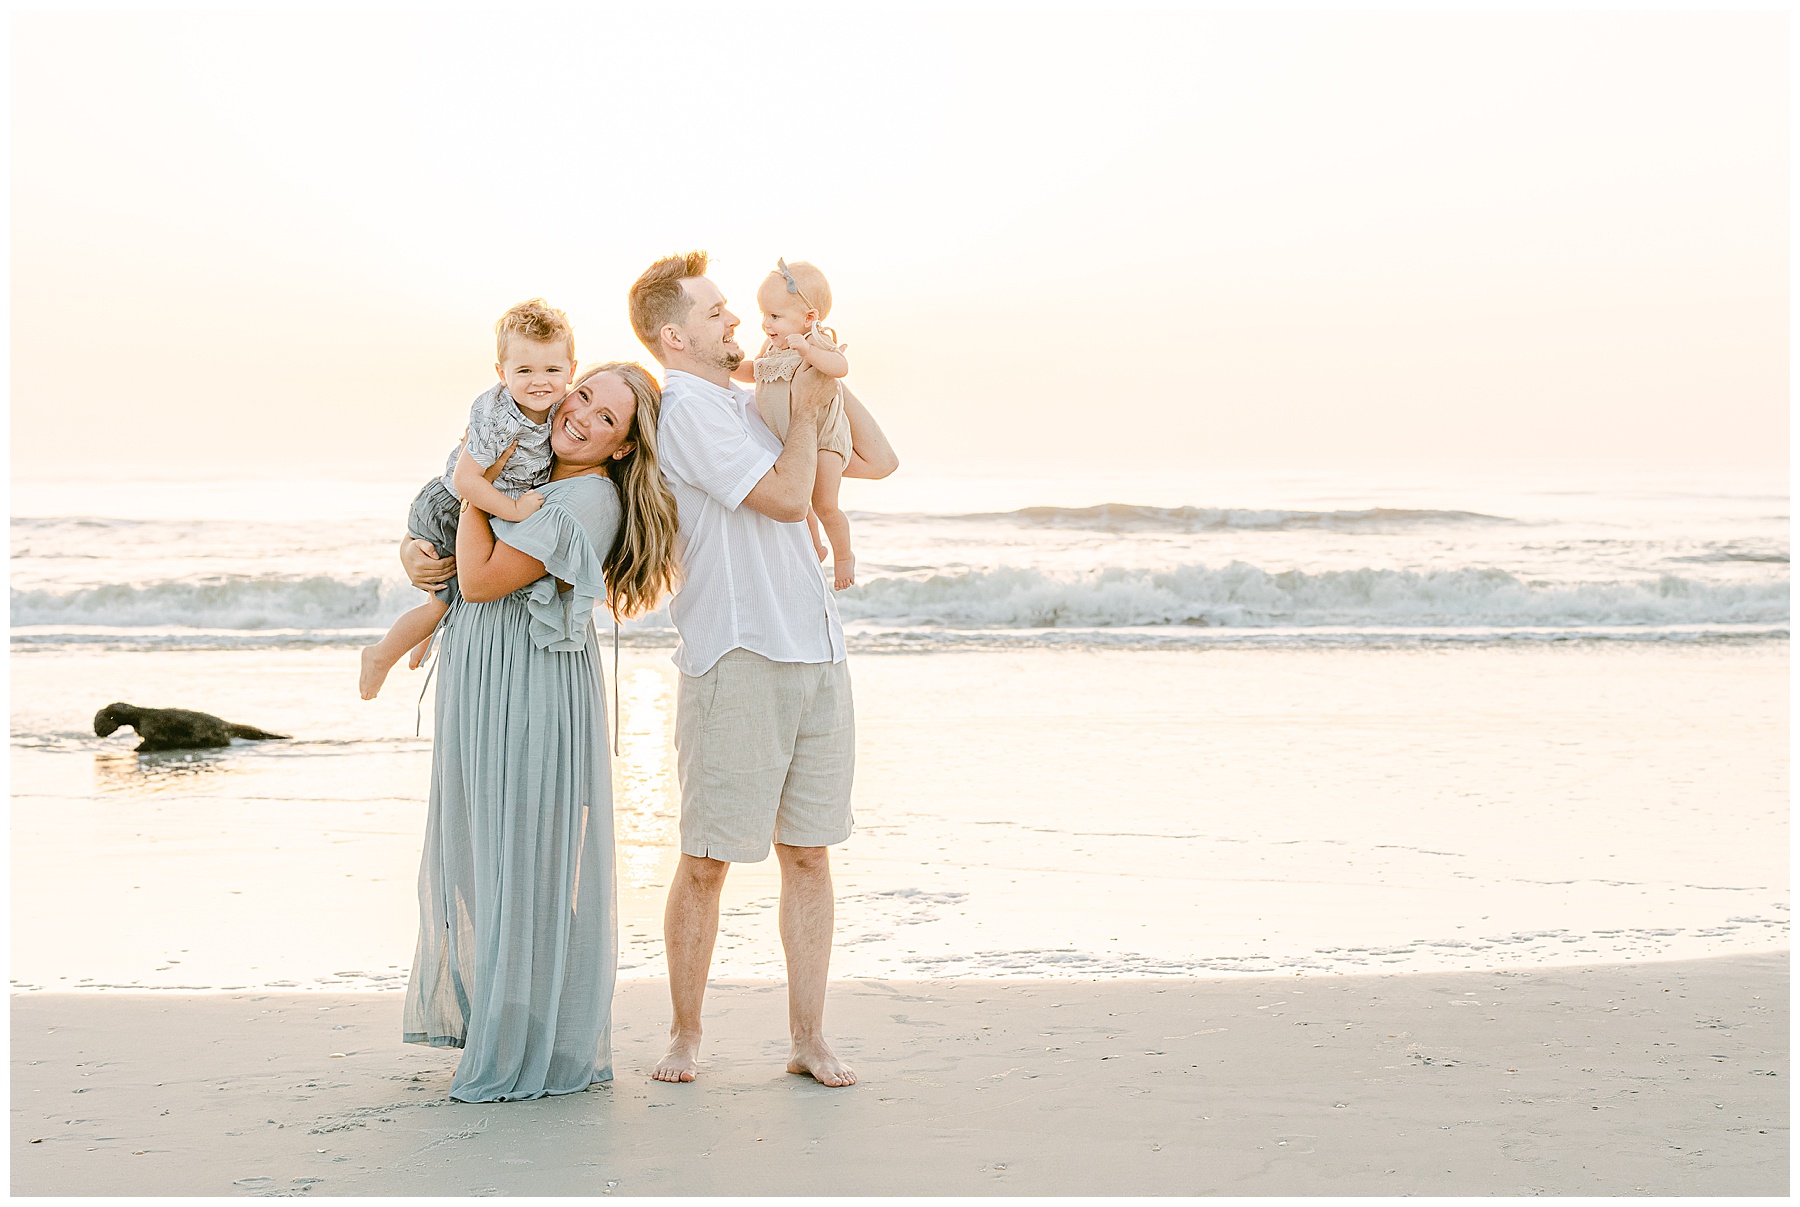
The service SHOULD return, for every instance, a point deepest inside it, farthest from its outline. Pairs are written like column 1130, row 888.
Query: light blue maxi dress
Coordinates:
column 518, row 929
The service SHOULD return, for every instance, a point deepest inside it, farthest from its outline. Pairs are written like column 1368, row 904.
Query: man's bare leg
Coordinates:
column 690, row 925
column 806, row 925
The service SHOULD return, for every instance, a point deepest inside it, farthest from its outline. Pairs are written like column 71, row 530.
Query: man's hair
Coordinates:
column 812, row 283
column 533, row 320
column 657, row 298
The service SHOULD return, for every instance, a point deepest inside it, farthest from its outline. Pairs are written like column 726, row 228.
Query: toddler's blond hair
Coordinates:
column 536, row 321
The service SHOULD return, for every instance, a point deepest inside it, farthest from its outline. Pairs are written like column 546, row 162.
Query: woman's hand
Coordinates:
column 424, row 568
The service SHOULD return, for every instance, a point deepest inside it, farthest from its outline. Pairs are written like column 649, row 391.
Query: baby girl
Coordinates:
column 794, row 299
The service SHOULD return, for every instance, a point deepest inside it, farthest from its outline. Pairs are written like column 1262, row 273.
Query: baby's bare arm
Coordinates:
column 473, row 486
column 746, row 370
column 826, row 361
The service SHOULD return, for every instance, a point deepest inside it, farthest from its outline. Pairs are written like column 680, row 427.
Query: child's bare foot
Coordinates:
column 373, row 674
column 417, row 658
column 819, row 546
column 844, row 572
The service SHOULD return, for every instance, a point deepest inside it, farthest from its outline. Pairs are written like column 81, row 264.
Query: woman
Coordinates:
column 517, row 927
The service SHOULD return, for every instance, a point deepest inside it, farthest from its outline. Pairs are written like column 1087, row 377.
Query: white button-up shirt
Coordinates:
column 747, row 581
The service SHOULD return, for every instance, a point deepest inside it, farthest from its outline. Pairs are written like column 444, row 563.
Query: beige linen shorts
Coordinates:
column 766, row 751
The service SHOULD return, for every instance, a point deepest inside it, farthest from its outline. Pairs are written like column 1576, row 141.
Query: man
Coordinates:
column 764, row 728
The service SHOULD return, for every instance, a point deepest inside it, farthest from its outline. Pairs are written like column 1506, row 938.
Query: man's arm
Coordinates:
column 785, row 492
column 871, row 454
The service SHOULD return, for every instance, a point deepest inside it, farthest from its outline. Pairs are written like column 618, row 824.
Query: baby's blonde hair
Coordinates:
column 813, row 285
column 536, row 321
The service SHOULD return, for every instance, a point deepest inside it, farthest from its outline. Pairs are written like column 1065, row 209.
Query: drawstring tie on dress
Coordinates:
column 431, row 656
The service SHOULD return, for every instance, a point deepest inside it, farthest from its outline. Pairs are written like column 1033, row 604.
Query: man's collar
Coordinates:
column 669, row 376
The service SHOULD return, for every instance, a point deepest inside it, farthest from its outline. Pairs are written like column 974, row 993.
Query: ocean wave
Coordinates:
column 1242, row 595
column 1236, row 595
column 1735, row 552
column 932, row 641
column 865, row 639
column 226, row 602
column 1133, row 517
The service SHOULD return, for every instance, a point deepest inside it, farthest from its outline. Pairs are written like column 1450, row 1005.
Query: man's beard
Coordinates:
column 730, row 360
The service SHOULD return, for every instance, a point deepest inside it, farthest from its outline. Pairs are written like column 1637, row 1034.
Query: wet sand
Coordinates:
column 1155, row 814
column 1654, row 1078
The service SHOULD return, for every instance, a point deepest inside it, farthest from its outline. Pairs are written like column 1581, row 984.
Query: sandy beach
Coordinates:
column 1336, row 740
column 1508, row 919
column 1654, row 1078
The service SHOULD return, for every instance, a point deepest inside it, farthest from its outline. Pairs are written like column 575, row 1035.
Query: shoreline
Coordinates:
column 1180, row 814
column 1654, row 1078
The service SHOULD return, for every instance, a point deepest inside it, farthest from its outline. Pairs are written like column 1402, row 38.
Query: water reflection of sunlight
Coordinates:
column 644, row 811
column 158, row 772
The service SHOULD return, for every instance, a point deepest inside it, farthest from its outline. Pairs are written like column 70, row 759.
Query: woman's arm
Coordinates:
column 487, row 569
column 871, row 455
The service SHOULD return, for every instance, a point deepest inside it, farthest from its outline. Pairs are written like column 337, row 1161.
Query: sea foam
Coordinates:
column 229, row 602
column 1239, row 594
column 1236, row 594
column 1136, row 517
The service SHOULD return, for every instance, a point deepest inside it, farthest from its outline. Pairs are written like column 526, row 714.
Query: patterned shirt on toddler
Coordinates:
column 495, row 421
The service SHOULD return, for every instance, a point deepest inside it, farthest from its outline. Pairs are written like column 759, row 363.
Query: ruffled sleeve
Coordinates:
column 571, row 534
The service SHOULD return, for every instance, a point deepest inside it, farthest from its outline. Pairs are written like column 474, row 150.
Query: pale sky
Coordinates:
column 278, row 243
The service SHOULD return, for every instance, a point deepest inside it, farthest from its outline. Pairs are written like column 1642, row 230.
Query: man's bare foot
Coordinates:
column 844, row 572
column 815, row 1059
column 372, row 676
column 681, row 1062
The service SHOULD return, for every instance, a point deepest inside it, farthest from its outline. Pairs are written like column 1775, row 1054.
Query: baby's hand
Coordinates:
column 796, row 343
column 527, row 503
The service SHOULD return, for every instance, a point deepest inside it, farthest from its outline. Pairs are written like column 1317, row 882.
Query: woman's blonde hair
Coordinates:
column 641, row 566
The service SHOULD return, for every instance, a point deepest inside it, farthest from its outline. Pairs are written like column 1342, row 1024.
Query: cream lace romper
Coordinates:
column 775, row 371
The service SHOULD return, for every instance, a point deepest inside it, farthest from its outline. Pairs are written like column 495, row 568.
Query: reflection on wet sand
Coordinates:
column 161, row 771
column 644, row 806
